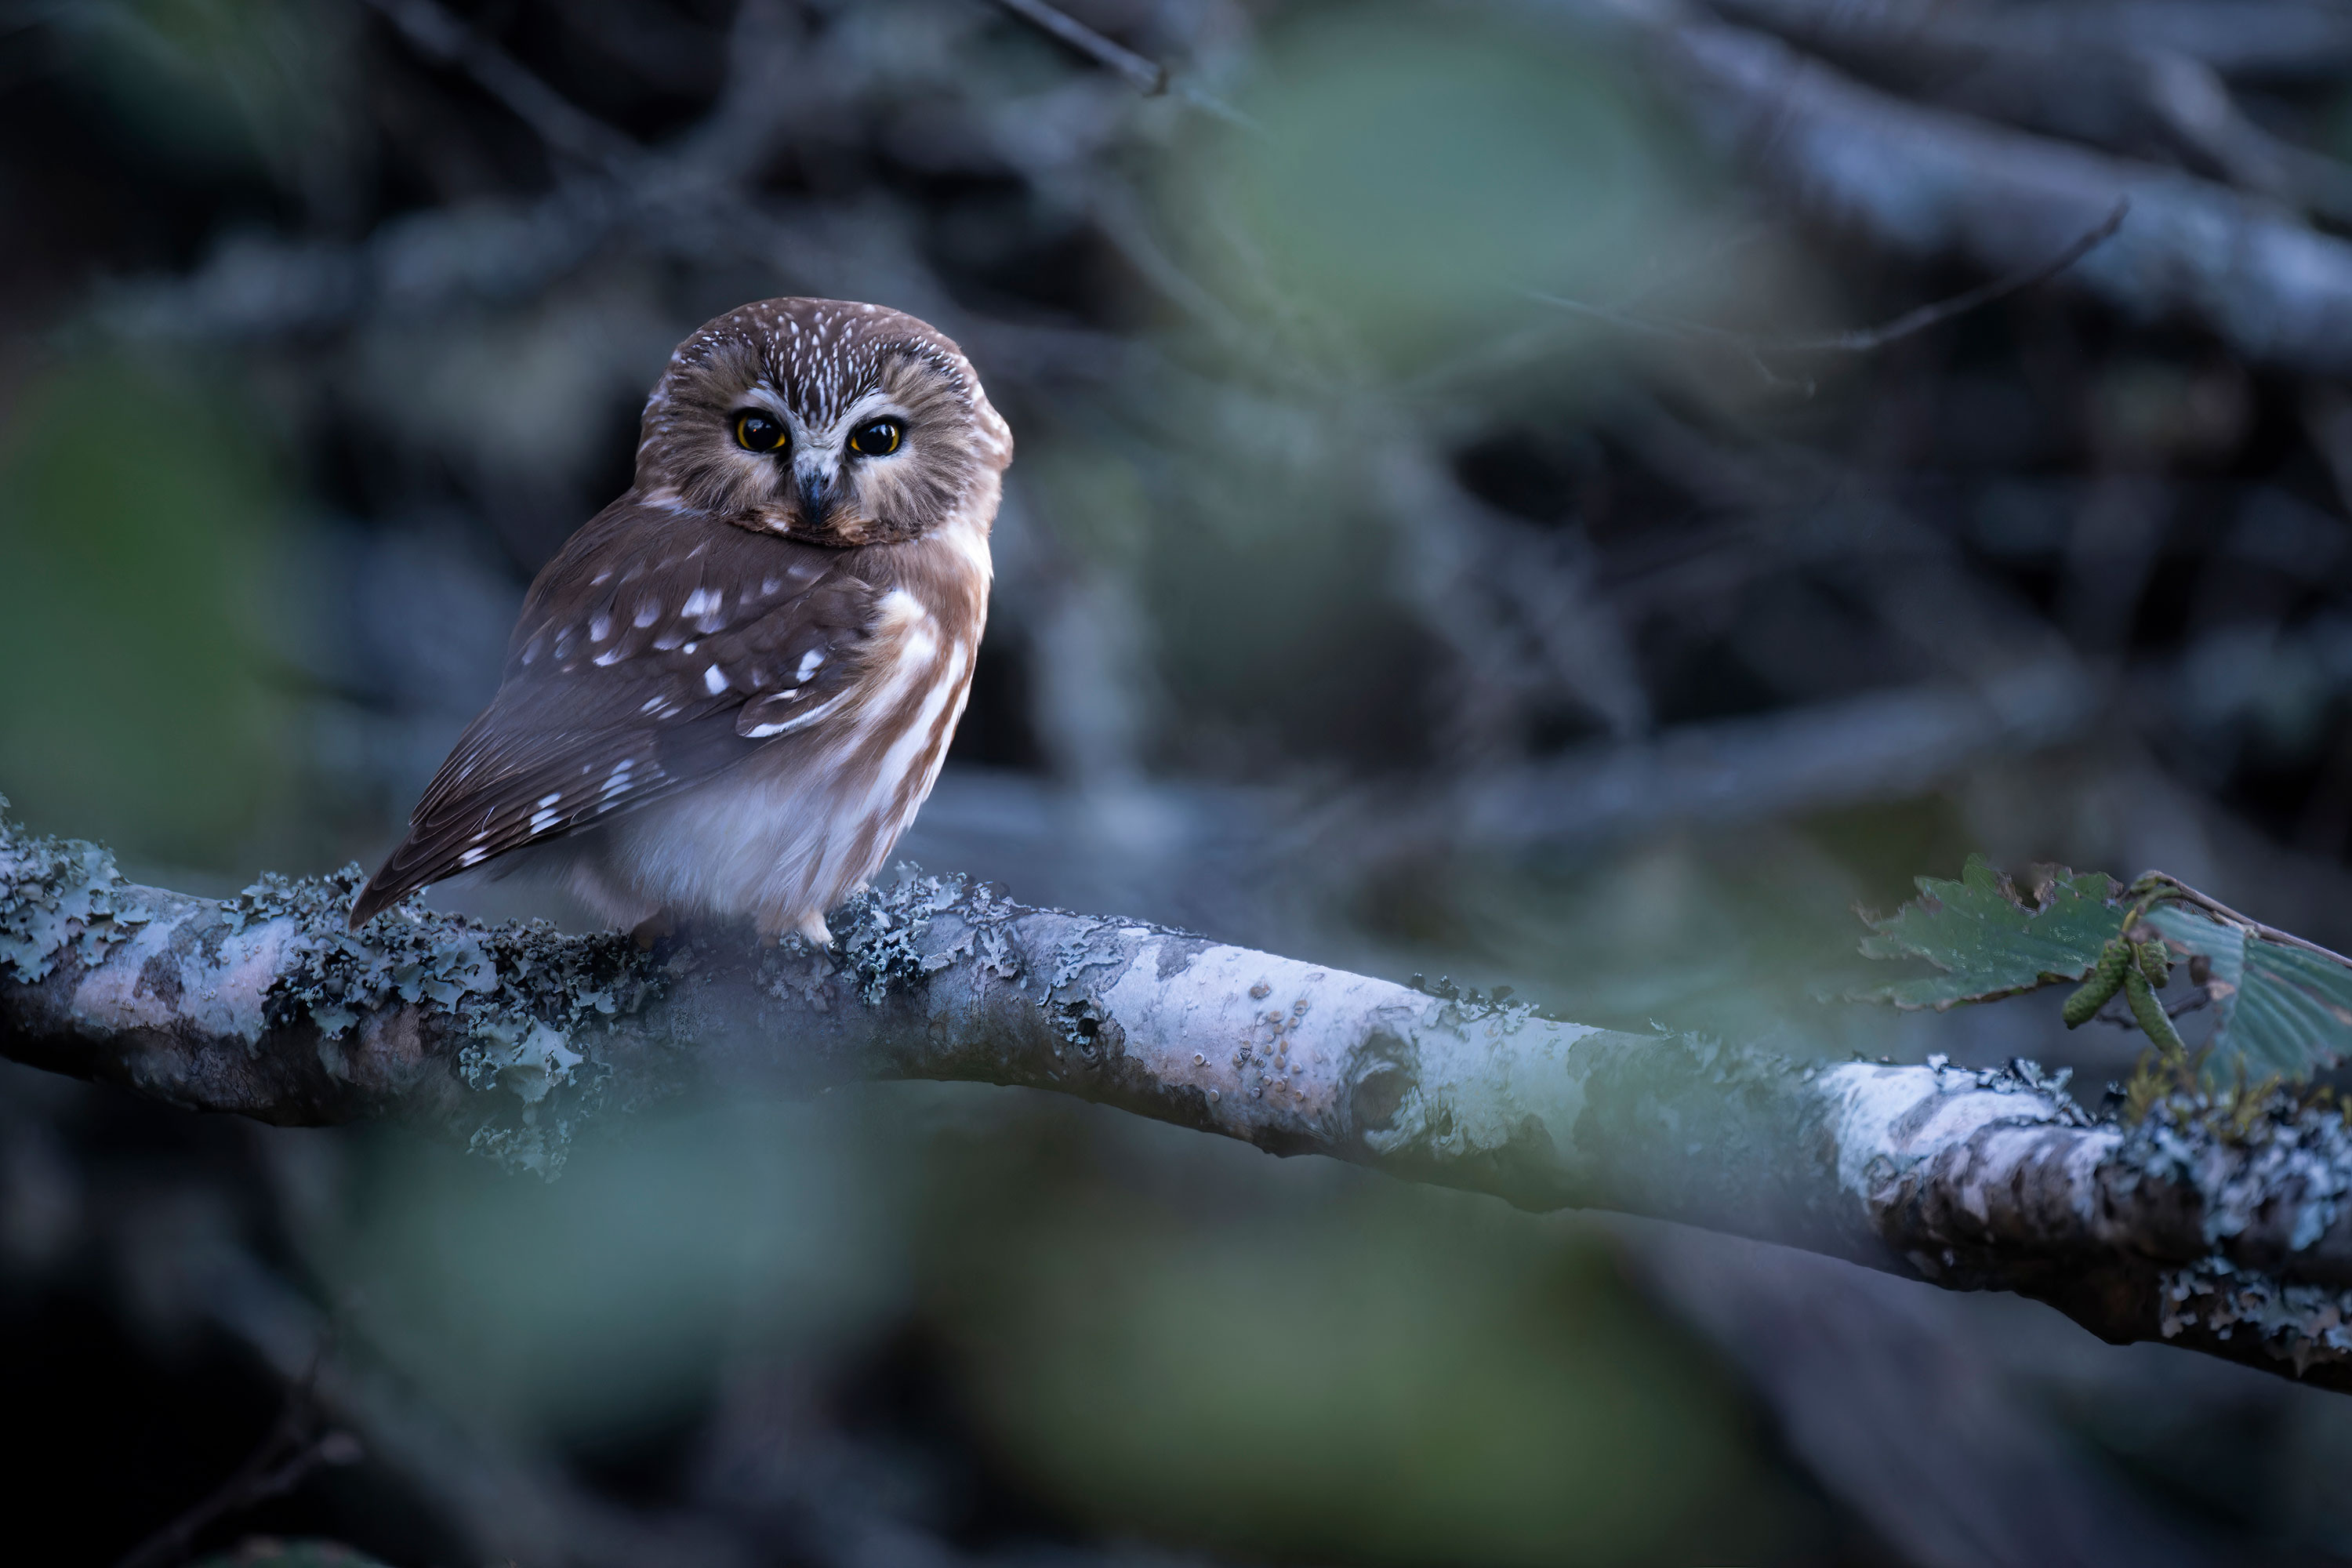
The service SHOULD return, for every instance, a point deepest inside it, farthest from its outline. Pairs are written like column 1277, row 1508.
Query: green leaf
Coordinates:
column 1988, row 942
column 2281, row 1009
column 2279, row 1005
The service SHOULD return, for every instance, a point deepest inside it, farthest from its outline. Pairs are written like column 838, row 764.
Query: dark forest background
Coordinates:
column 1482, row 508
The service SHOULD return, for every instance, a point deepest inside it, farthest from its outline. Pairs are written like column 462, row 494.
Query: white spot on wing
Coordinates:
column 809, row 663
column 714, row 681
column 798, row 721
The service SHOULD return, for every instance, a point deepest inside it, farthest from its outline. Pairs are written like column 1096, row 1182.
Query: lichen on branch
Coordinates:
column 2217, row 1224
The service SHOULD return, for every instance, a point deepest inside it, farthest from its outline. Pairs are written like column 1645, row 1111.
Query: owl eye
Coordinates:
column 758, row 432
column 879, row 439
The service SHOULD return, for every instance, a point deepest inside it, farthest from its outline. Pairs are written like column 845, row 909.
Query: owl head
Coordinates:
column 826, row 421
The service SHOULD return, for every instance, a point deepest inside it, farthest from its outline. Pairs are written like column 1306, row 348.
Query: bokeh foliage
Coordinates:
column 1411, row 176
column 142, row 518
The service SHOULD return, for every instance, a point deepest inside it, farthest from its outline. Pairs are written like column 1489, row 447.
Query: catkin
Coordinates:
column 2093, row 993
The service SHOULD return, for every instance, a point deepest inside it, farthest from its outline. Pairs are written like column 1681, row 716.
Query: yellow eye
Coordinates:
column 879, row 439
column 758, row 432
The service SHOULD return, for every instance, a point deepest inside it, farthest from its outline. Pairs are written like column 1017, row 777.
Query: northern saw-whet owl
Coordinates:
column 730, row 693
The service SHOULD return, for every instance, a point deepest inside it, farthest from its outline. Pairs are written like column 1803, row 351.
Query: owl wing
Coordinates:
column 655, row 650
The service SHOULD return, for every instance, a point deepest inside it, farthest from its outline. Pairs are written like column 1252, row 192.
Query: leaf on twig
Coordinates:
column 2280, row 1004
column 1988, row 942
column 2285, row 1009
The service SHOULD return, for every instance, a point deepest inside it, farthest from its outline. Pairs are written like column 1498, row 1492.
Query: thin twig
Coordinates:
column 1925, row 316
column 1147, row 77
column 1861, row 341
column 564, row 127
column 284, row 1459
column 1680, row 331
column 2181, row 892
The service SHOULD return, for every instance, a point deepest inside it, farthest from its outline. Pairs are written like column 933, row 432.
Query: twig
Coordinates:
column 1673, row 330
column 561, row 125
column 1147, row 77
column 1917, row 181
column 2181, row 892
column 1918, row 321
column 292, row 1449
column 1860, row 340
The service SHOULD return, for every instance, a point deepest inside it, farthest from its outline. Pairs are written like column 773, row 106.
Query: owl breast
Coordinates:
column 810, row 817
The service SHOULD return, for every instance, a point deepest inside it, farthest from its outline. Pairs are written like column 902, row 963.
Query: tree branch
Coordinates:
column 1854, row 340
column 2227, row 1234
column 2119, row 79
column 1147, row 77
column 1924, row 180
column 440, row 36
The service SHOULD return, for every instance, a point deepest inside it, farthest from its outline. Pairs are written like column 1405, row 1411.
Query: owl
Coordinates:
column 728, row 693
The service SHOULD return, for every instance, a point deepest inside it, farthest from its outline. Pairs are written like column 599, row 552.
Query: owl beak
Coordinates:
column 817, row 490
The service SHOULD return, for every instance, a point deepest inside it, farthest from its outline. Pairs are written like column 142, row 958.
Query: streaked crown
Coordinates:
column 824, row 420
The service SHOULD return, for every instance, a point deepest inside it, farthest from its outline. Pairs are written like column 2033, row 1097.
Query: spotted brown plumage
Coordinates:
column 730, row 691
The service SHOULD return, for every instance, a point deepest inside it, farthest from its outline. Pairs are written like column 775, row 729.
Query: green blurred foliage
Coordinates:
column 1729, row 932
column 218, row 85
column 1095, row 497
column 1295, row 1362
column 1418, row 171
column 1167, row 1336
column 588, row 1307
column 1407, row 178
column 141, row 532
column 1251, row 549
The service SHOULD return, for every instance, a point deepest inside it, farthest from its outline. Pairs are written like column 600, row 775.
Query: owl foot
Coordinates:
column 809, row 928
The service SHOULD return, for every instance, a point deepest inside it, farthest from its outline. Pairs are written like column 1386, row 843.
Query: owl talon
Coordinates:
column 814, row 930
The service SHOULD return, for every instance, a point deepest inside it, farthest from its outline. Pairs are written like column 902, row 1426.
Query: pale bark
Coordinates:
column 2237, row 1242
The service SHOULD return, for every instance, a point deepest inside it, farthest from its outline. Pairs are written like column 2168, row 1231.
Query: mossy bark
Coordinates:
column 2228, row 1233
